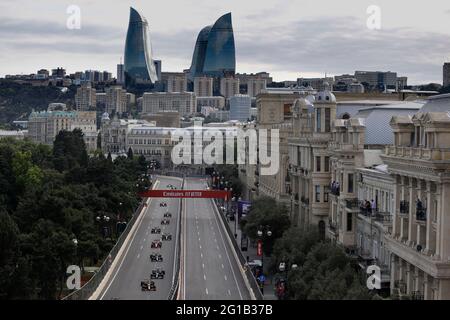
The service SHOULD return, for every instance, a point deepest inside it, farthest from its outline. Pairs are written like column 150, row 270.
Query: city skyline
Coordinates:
column 287, row 39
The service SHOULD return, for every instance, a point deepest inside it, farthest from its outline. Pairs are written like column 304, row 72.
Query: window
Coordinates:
column 317, row 193
column 318, row 160
column 350, row 182
column 327, row 164
column 327, row 120
column 349, row 221
column 318, row 120
column 326, row 191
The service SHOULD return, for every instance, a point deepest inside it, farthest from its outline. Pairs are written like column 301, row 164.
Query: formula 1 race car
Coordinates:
column 166, row 237
column 157, row 274
column 163, row 204
column 167, row 215
column 165, row 221
column 156, row 230
column 156, row 244
column 148, row 285
column 156, row 257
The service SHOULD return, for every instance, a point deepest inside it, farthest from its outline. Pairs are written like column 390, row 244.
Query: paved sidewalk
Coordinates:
column 250, row 254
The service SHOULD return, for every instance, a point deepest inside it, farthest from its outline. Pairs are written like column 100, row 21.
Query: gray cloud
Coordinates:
column 332, row 45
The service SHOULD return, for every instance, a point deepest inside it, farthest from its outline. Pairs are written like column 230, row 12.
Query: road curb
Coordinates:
column 244, row 276
column 119, row 255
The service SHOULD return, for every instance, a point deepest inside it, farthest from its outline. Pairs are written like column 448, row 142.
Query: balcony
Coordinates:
column 383, row 217
column 400, row 285
column 421, row 214
column 417, row 295
column 335, row 190
column 352, row 204
column 304, row 200
column 415, row 152
column 404, row 207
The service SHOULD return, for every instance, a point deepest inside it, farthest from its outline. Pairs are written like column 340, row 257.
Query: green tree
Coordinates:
column 266, row 211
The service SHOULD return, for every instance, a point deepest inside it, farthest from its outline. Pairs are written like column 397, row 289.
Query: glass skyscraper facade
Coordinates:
column 139, row 67
column 214, row 52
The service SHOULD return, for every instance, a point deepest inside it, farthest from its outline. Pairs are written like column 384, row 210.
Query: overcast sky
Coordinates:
column 288, row 38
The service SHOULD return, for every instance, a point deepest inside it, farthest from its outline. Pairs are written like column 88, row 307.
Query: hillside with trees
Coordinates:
column 18, row 100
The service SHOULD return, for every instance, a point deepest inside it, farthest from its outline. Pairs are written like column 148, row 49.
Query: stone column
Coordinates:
column 394, row 271
column 430, row 243
column 412, row 226
column 438, row 219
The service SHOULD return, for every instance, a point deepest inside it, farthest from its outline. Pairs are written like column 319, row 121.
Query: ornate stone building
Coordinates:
column 419, row 161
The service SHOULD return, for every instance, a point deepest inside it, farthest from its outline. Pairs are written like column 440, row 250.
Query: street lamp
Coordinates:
column 262, row 231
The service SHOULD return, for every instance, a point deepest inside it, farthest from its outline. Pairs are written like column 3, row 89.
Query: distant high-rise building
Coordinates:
column 85, row 98
column 240, row 107
column 139, row 66
column 120, row 74
column 229, row 87
column 446, row 70
column 203, row 86
column 116, row 100
column 214, row 52
column 107, row 76
column 182, row 102
column 255, row 86
column 58, row 73
column 158, row 68
column 319, row 84
column 176, row 83
column 377, row 79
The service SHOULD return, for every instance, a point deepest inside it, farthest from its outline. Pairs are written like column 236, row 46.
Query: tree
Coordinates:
column 130, row 153
column 324, row 271
column 266, row 211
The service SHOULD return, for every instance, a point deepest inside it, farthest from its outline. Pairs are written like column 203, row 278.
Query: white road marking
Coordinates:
column 200, row 247
column 220, row 256
column 142, row 247
column 223, row 267
column 229, row 292
column 128, row 248
column 207, row 291
column 139, row 255
column 203, row 265
column 225, row 247
column 201, row 255
column 225, row 278
column 145, row 239
column 204, row 277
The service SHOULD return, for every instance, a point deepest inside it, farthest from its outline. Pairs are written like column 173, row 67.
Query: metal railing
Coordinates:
column 176, row 279
column 352, row 203
column 248, row 273
column 404, row 207
column 86, row 291
column 421, row 214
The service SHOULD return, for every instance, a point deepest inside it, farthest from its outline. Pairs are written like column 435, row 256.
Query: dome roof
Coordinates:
column 325, row 96
column 302, row 104
column 105, row 116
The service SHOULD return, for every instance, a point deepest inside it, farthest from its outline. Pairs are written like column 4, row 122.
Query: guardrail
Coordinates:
column 176, row 279
column 89, row 287
column 248, row 273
